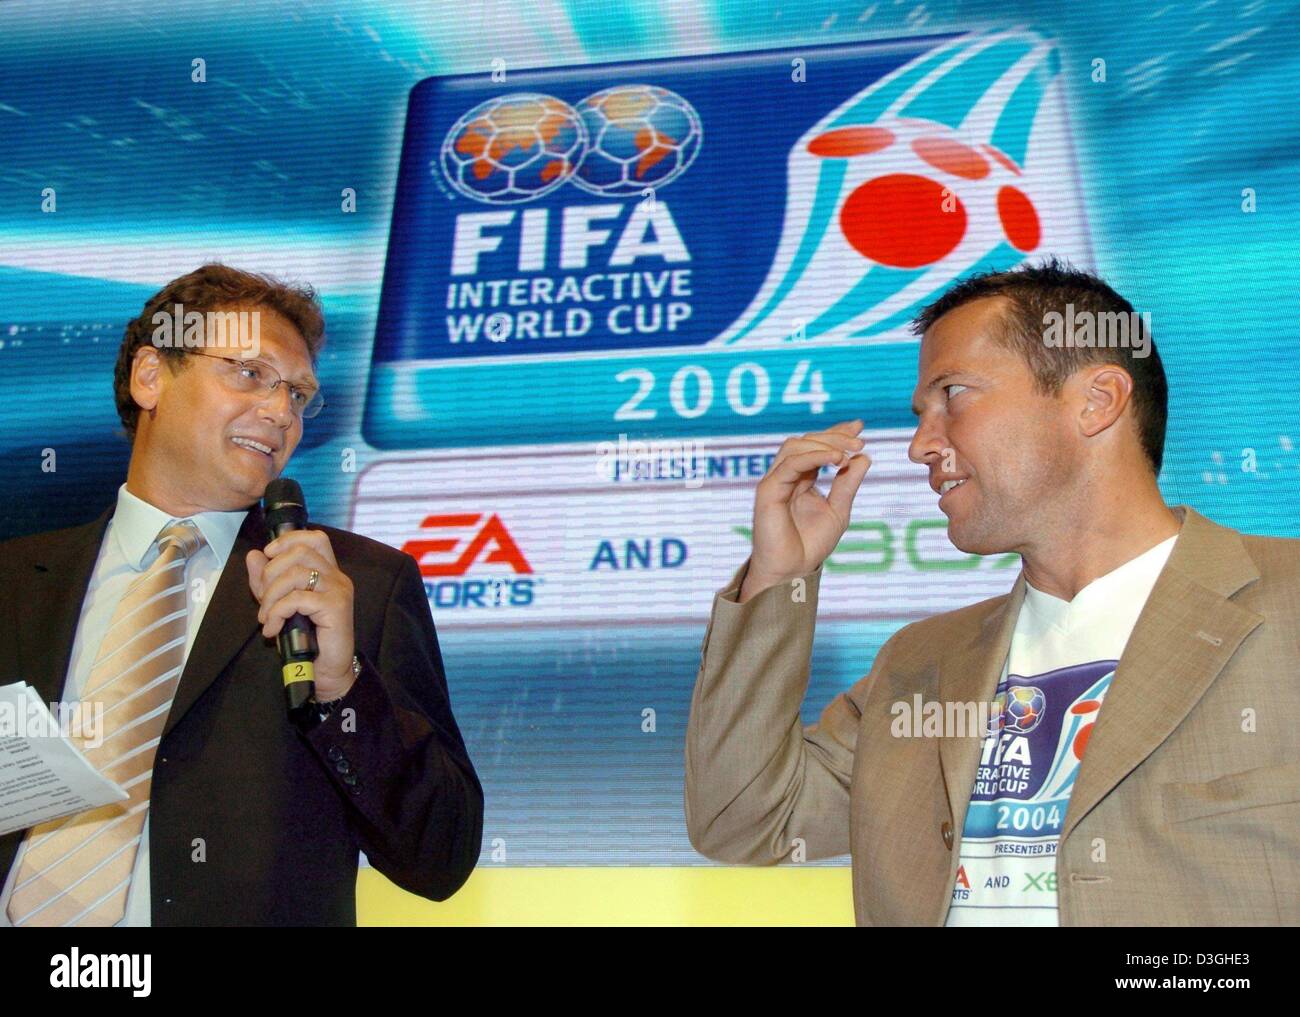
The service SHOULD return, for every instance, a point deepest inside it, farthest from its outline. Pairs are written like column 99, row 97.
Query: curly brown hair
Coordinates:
column 213, row 287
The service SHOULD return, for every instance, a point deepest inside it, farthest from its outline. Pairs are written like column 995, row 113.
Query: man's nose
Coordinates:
column 277, row 407
column 927, row 442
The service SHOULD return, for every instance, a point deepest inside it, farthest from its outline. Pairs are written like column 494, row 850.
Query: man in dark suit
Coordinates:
column 166, row 609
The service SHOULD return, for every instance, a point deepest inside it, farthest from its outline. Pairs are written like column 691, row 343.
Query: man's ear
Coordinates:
column 146, row 378
column 1108, row 388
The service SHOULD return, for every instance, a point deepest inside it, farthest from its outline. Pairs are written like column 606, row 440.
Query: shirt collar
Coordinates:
column 1116, row 591
column 136, row 525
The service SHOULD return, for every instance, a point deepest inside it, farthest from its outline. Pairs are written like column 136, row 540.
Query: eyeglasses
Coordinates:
column 262, row 378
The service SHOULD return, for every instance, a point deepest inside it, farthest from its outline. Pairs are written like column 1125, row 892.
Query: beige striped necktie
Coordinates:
column 77, row 870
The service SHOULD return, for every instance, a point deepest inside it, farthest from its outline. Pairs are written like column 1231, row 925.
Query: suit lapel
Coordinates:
column 49, row 606
column 970, row 675
column 229, row 622
column 1186, row 633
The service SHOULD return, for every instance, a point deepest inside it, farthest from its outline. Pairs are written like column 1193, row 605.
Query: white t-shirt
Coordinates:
column 1063, row 656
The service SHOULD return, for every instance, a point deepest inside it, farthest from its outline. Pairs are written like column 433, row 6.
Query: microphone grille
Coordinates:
column 283, row 491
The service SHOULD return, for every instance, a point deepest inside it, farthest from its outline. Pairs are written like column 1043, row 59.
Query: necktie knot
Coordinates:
column 185, row 536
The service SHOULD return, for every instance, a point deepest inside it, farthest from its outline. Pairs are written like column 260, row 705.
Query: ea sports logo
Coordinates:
column 490, row 543
column 939, row 192
column 615, row 143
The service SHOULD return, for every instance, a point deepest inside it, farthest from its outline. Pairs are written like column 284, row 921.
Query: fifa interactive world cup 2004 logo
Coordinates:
column 617, row 142
column 954, row 162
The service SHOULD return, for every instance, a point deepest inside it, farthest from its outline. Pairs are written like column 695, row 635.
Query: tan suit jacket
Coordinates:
column 1186, row 809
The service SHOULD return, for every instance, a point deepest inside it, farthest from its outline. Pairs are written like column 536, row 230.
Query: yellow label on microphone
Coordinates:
column 298, row 671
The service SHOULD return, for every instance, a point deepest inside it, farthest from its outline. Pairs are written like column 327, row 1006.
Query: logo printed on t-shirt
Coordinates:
column 1028, row 765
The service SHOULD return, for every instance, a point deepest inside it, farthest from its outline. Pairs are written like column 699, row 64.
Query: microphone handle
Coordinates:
column 298, row 651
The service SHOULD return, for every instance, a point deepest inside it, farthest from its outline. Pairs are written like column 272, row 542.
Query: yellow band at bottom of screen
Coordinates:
column 298, row 671
column 614, row 895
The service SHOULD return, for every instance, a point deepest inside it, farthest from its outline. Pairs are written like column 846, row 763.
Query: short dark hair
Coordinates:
column 1034, row 291
column 213, row 287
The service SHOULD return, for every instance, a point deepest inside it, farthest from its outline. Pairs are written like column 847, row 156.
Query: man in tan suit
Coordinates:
column 1166, row 645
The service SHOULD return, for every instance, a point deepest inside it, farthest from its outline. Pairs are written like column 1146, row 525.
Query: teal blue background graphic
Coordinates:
column 155, row 174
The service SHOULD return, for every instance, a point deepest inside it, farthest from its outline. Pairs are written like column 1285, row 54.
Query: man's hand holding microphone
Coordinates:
column 796, row 527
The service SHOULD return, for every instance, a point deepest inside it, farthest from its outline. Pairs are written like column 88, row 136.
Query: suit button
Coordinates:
column 334, row 754
column 350, row 779
column 946, row 832
column 343, row 766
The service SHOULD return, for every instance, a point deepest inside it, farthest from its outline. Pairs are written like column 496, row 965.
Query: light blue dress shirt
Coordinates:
column 126, row 551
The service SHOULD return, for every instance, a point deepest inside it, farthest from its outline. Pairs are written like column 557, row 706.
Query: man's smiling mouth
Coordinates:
column 253, row 445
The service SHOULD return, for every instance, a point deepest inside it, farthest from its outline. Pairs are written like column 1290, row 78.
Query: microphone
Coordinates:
column 285, row 509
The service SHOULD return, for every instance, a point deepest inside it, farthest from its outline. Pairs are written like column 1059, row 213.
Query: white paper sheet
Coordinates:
column 43, row 775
